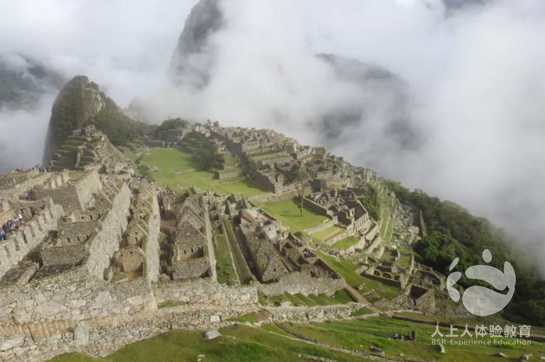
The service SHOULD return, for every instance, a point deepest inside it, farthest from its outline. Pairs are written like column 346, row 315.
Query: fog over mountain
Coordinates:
column 446, row 96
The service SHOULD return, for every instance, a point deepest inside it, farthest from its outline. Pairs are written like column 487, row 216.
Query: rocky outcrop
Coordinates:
column 77, row 102
column 192, row 58
column 81, row 103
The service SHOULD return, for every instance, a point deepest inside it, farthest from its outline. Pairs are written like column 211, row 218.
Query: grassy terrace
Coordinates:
column 357, row 334
column 346, row 243
column 169, row 160
column 347, row 270
column 242, row 269
column 224, row 264
column 259, row 344
column 249, row 345
column 328, row 233
column 289, row 214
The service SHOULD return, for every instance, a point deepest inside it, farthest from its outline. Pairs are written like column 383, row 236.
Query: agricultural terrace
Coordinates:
column 288, row 213
column 171, row 160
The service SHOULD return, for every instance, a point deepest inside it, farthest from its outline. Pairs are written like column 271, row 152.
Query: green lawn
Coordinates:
column 289, row 214
column 319, row 300
column 248, row 345
column 258, row 344
column 294, row 299
column 243, row 271
column 169, row 160
column 224, row 264
column 250, row 318
column 358, row 334
column 306, row 300
column 346, row 243
column 342, row 296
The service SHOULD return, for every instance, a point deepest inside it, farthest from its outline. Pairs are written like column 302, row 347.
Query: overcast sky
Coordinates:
column 475, row 73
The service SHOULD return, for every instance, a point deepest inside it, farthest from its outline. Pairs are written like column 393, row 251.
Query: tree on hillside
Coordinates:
column 298, row 177
column 172, row 123
column 208, row 159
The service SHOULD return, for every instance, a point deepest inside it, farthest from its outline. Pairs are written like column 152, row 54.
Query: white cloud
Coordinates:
column 475, row 74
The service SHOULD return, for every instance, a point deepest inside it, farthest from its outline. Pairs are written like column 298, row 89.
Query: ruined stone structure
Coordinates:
column 88, row 149
column 104, row 259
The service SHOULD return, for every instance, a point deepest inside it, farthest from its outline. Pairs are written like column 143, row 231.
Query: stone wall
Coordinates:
column 210, row 243
column 305, row 284
column 72, row 295
column 318, row 314
column 369, row 274
column 151, row 247
column 278, row 197
column 20, row 186
column 104, row 335
column 339, row 237
column 63, row 255
column 204, row 292
column 317, row 208
column 76, row 196
column 191, row 268
column 230, row 174
column 372, row 233
column 322, row 226
column 15, row 249
column 105, row 242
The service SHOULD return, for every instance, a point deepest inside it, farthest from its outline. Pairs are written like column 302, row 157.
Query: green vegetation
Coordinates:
column 242, row 268
column 308, row 301
column 346, row 243
column 372, row 205
column 347, row 270
column 249, row 318
column 342, row 296
column 358, row 334
column 224, row 264
column 294, row 299
column 298, row 177
column 328, row 233
column 318, row 300
column 288, row 213
column 268, row 344
column 453, row 232
column 249, row 345
column 169, row 160
column 75, row 107
column 172, row 124
column 75, row 357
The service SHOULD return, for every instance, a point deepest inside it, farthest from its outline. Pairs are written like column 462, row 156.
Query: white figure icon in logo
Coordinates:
column 482, row 301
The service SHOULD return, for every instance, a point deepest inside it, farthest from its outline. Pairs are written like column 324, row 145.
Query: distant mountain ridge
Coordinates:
column 23, row 81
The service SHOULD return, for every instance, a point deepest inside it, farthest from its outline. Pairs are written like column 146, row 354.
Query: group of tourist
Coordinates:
column 298, row 243
column 28, row 195
column 37, row 167
column 333, row 274
column 11, row 226
column 408, row 337
column 309, row 254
